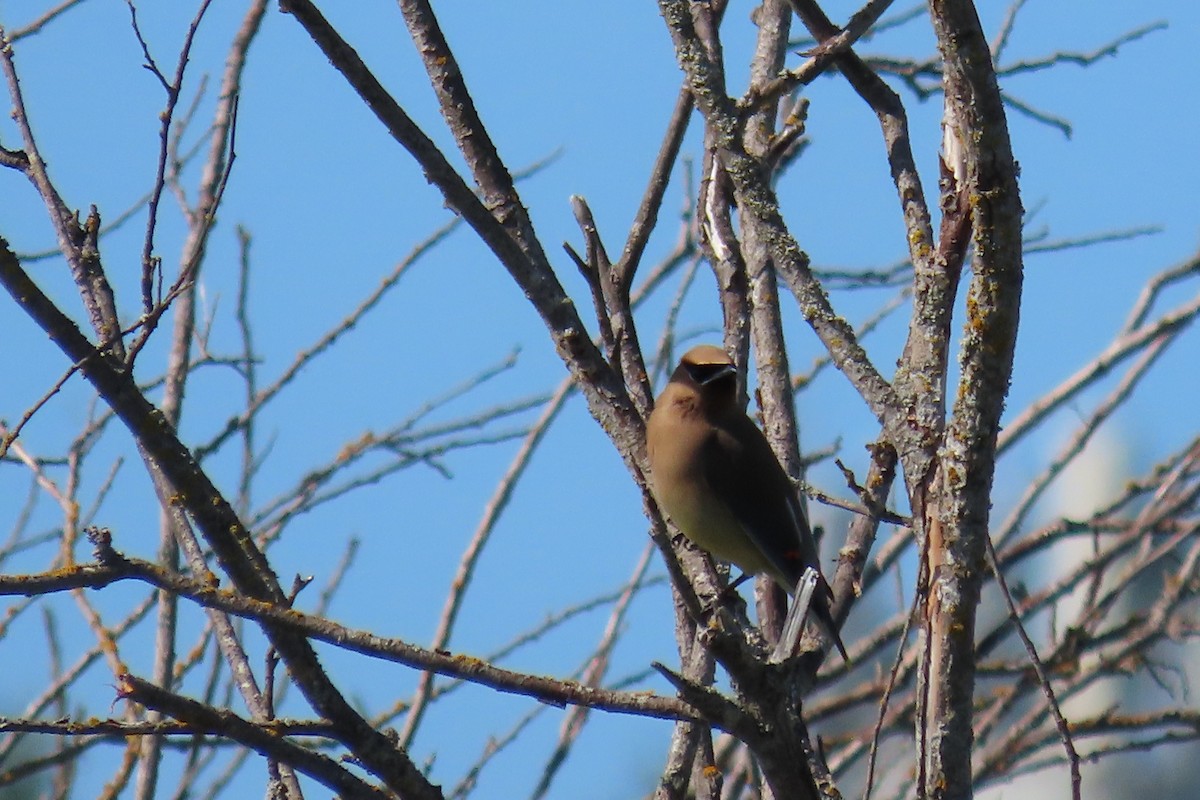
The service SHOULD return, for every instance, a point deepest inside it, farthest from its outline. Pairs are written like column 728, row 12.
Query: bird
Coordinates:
column 715, row 475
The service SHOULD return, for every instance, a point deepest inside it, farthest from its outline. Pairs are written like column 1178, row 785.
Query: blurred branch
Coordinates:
column 474, row 549
column 112, row 567
column 501, row 222
column 304, row 357
column 594, row 674
column 41, row 22
column 262, row 738
column 1125, row 344
column 1082, row 58
column 225, row 533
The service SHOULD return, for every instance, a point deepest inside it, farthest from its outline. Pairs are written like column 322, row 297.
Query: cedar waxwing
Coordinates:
column 714, row 474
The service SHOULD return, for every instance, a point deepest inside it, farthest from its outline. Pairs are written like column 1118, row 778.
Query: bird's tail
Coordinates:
column 826, row 621
column 812, row 594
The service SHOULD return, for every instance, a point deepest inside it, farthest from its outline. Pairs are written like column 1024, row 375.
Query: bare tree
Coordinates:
column 987, row 667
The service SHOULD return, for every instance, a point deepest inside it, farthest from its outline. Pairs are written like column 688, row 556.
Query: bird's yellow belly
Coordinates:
column 709, row 524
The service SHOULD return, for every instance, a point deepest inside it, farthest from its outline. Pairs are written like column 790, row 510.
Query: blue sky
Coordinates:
column 332, row 203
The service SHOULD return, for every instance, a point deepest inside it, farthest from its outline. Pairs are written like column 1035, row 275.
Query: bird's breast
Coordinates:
column 697, row 509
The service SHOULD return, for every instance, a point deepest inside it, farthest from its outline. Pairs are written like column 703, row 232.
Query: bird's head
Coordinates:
column 710, row 372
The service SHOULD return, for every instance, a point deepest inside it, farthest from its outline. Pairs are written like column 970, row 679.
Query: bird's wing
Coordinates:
column 742, row 470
